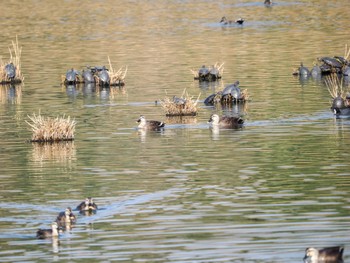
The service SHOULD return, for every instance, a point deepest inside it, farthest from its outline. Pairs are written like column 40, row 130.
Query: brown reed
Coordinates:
column 335, row 86
column 46, row 129
column 188, row 108
column 15, row 58
column 117, row 78
column 217, row 65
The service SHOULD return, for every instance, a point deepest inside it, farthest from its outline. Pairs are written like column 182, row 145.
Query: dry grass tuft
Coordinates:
column 15, row 59
column 335, row 87
column 51, row 129
column 117, row 78
column 183, row 106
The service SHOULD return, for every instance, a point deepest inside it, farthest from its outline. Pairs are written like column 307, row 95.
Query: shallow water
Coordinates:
column 187, row 194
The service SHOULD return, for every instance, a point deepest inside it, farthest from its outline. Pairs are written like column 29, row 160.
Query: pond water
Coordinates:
column 187, row 194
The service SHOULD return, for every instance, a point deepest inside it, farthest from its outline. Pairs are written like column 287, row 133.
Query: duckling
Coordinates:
column 46, row 233
column 87, row 205
column 66, row 217
column 224, row 21
column 149, row 125
column 225, row 122
column 328, row 254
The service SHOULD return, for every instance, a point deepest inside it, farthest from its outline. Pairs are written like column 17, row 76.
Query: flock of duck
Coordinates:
column 231, row 93
column 66, row 219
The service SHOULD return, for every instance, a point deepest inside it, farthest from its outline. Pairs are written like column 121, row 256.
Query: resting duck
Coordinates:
column 149, row 125
column 66, row 217
column 224, row 21
column 46, row 233
column 328, row 254
column 87, row 205
column 225, row 122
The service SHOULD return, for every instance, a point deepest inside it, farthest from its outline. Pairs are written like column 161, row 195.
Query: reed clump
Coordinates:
column 117, row 77
column 211, row 73
column 335, row 86
column 15, row 62
column 47, row 129
column 180, row 106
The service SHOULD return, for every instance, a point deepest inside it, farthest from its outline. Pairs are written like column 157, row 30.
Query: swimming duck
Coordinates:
column 66, row 217
column 328, row 254
column 267, row 2
column 87, row 205
column 225, row 122
column 149, row 125
column 46, row 233
column 224, row 21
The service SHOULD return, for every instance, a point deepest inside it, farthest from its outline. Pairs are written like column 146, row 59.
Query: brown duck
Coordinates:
column 225, row 122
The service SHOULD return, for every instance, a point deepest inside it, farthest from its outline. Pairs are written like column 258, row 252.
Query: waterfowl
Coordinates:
column 87, row 205
column 46, row 233
column 66, row 217
column 149, row 125
column 324, row 255
column 224, row 21
column 267, row 2
column 225, row 122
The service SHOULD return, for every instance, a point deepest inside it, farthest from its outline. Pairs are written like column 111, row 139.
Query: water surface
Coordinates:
column 187, row 194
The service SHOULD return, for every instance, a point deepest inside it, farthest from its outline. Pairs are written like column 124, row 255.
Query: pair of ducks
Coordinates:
column 215, row 121
column 66, row 218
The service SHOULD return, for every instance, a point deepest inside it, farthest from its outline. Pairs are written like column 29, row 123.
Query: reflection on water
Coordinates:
column 61, row 152
column 188, row 193
column 11, row 93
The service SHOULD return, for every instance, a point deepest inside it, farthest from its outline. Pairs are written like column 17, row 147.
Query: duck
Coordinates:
column 66, row 217
column 225, row 122
column 87, row 205
column 267, row 2
column 328, row 254
column 224, row 21
column 149, row 125
column 46, row 233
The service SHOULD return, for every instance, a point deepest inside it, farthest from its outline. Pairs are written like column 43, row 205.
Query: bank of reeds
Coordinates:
column 117, row 78
column 180, row 106
column 15, row 59
column 47, row 129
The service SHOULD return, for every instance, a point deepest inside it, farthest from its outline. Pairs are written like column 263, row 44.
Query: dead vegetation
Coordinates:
column 335, row 86
column 46, row 129
column 180, row 106
column 15, row 59
column 117, row 78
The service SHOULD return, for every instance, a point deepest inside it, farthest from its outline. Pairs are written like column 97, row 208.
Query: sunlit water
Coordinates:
column 187, row 194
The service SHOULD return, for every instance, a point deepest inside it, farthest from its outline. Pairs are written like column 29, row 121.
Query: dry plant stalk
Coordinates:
column 51, row 129
column 188, row 107
column 116, row 77
column 15, row 59
column 347, row 52
column 334, row 86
